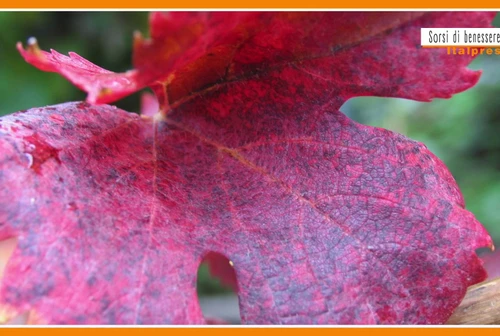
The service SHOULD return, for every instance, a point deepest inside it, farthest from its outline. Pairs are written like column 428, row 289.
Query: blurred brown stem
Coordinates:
column 481, row 305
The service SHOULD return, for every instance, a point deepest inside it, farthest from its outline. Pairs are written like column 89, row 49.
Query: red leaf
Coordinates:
column 222, row 268
column 101, row 84
column 324, row 220
column 192, row 52
column 330, row 222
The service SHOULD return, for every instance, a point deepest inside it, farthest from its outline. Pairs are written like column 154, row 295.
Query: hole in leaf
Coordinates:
column 395, row 114
column 20, row 319
column 7, row 247
column 217, row 287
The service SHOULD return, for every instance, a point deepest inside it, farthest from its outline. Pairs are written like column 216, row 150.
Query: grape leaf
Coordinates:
column 360, row 53
column 324, row 220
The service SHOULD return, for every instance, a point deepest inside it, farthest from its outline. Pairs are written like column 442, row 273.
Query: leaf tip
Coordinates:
column 31, row 47
column 35, row 56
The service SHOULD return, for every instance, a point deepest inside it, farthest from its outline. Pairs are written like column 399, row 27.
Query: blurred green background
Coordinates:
column 463, row 131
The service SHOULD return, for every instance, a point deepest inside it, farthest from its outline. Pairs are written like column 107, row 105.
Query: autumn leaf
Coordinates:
column 372, row 53
column 324, row 220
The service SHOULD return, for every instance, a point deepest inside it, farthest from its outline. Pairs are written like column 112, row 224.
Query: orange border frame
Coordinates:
column 248, row 4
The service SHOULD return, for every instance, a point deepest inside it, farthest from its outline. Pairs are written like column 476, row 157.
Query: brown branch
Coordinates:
column 481, row 305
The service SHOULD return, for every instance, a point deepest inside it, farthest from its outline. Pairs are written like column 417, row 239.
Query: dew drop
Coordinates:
column 37, row 151
column 29, row 158
column 32, row 41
